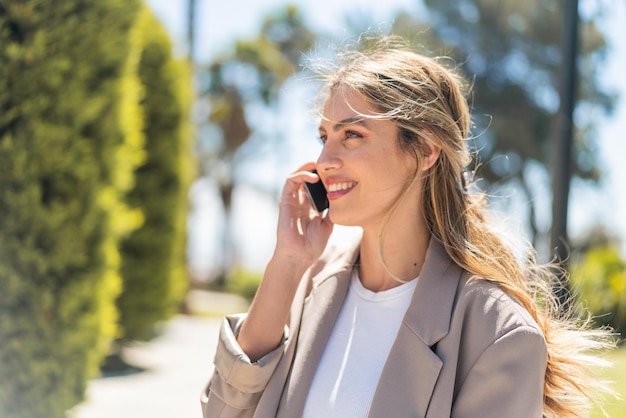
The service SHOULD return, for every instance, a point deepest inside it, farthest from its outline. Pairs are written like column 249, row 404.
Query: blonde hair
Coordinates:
column 427, row 103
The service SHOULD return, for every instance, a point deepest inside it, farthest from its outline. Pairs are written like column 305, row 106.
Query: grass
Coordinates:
column 616, row 374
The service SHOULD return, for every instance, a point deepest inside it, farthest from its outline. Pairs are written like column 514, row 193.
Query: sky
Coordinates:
column 254, row 212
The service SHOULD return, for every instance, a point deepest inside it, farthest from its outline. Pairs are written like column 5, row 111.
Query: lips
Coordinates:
column 336, row 189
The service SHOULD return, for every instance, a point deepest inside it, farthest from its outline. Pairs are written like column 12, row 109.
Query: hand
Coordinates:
column 302, row 231
column 301, row 238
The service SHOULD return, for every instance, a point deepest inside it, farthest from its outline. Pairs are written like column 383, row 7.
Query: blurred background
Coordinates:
column 144, row 143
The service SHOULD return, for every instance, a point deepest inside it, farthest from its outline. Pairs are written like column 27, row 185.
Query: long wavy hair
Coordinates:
column 427, row 102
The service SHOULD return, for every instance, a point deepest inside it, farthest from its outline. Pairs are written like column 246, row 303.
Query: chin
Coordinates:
column 341, row 219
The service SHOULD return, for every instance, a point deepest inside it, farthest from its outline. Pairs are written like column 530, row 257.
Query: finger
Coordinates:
column 304, row 173
column 297, row 178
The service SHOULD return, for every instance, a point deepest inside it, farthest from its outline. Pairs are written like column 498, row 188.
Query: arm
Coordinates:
column 301, row 238
column 237, row 383
column 507, row 380
column 249, row 350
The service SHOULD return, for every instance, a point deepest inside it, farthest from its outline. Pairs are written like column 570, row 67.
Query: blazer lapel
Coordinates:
column 320, row 311
column 412, row 368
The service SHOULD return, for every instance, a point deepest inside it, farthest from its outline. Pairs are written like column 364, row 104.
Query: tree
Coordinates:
column 153, row 257
column 70, row 138
column 511, row 53
column 251, row 73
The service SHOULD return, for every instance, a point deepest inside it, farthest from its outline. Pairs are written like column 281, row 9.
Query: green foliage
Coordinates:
column 599, row 279
column 70, row 138
column 153, row 257
column 243, row 282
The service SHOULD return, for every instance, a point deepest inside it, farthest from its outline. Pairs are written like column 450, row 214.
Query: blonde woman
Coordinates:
column 429, row 314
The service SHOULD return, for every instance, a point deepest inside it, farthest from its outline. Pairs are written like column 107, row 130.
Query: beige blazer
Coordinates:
column 464, row 349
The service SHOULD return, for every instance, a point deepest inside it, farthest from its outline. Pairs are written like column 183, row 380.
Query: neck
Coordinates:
column 403, row 250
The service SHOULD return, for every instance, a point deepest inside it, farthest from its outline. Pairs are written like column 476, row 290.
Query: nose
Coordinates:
column 328, row 159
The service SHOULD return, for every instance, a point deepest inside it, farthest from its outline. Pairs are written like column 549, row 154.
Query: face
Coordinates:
column 361, row 163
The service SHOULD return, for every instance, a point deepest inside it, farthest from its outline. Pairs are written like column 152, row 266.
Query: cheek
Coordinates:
column 399, row 165
column 391, row 175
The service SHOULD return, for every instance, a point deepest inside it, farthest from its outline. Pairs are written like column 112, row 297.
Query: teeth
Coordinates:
column 340, row 186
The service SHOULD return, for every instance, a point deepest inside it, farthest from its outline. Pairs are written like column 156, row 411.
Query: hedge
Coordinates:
column 70, row 138
column 153, row 257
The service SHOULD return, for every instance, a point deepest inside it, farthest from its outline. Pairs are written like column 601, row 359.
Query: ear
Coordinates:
column 431, row 153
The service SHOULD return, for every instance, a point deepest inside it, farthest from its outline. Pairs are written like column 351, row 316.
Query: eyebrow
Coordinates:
column 354, row 120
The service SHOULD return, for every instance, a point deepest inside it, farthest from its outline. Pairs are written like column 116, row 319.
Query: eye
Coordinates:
column 353, row 135
column 323, row 138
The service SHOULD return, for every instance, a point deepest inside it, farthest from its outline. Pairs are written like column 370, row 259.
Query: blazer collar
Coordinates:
column 429, row 313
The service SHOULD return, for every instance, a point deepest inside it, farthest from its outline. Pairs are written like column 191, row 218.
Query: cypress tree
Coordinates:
column 70, row 138
column 153, row 257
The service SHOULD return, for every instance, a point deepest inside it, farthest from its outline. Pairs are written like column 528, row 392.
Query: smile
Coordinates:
column 337, row 187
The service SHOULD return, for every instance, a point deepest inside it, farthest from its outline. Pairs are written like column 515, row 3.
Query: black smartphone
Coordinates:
column 317, row 194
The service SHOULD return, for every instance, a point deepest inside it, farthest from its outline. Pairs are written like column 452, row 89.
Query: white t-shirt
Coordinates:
column 356, row 351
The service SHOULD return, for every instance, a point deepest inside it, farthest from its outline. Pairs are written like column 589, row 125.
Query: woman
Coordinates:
column 429, row 314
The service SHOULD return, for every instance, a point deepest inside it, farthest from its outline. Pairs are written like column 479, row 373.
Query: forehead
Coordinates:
column 343, row 103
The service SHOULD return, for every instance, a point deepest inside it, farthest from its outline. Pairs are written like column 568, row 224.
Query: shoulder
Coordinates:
column 500, row 354
column 491, row 332
column 489, row 313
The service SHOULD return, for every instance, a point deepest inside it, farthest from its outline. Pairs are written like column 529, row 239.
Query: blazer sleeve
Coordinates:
column 237, row 384
column 507, row 380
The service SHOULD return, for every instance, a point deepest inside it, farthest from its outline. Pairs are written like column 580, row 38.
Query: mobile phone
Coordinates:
column 317, row 194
